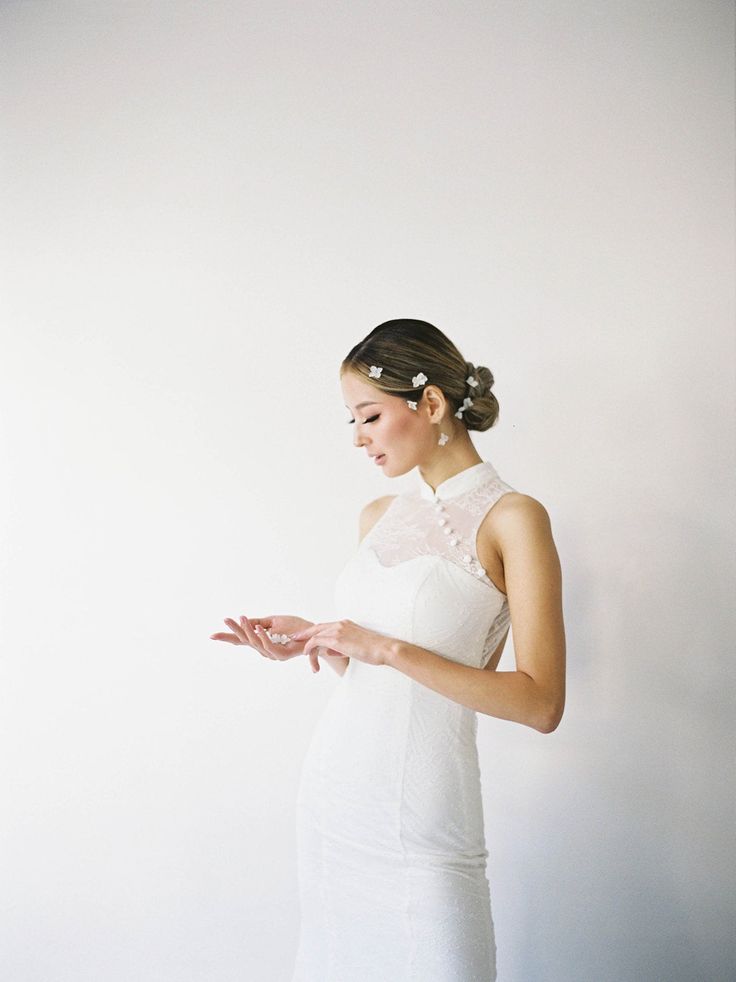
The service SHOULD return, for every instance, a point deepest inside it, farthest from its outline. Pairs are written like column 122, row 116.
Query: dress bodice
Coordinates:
column 416, row 574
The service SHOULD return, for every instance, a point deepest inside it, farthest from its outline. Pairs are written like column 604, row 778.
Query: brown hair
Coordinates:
column 403, row 348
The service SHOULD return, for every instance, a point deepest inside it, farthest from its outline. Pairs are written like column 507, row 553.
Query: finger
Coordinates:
column 263, row 621
column 254, row 622
column 237, row 629
column 312, row 653
column 268, row 644
column 311, row 632
column 253, row 640
column 313, row 648
column 262, row 643
column 237, row 626
column 307, row 632
column 226, row 637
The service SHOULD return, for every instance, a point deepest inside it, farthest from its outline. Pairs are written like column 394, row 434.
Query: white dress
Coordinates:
column 390, row 834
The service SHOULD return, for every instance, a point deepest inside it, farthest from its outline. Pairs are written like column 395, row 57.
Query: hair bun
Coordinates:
column 484, row 377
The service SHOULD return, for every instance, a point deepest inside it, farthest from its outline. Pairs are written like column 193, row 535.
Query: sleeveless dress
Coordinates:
column 390, row 834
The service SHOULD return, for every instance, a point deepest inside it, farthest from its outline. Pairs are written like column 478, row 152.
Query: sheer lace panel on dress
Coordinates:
column 413, row 526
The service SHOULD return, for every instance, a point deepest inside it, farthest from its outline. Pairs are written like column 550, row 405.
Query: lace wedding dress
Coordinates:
column 390, row 834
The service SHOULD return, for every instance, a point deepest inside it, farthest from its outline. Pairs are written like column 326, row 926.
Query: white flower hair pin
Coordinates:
column 375, row 372
column 418, row 380
column 471, row 381
column 467, row 403
column 443, row 439
column 410, row 404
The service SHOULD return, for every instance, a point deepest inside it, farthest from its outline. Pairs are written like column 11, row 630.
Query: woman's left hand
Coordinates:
column 345, row 638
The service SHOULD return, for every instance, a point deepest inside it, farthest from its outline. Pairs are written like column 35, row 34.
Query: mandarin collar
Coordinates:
column 464, row 480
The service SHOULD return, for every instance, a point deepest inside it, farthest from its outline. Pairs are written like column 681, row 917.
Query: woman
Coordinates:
column 390, row 834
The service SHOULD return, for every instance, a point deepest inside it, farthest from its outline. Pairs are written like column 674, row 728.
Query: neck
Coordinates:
column 442, row 466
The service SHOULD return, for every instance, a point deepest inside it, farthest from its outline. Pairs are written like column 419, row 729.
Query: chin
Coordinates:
column 392, row 469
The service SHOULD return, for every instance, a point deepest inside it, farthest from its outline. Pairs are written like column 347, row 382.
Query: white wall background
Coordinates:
column 204, row 206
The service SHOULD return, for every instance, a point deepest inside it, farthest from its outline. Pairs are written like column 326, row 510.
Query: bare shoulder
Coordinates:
column 513, row 515
column 372, row 512
column 516, row 523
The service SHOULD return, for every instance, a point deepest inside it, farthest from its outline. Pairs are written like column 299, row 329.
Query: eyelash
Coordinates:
column 371, row 420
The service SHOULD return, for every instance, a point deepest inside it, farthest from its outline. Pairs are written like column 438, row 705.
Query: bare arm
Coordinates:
column 506, row 695
column 534, row 694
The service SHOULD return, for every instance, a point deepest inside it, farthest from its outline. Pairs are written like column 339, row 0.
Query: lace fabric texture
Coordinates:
column 390, row 831
column 447, row 529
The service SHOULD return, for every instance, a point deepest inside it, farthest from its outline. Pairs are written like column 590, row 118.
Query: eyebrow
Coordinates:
column 361, row 404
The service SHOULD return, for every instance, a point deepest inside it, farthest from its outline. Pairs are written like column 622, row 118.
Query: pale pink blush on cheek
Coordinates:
column 404, row 423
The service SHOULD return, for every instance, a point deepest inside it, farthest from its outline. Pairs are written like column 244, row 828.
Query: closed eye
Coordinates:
column 371, row 420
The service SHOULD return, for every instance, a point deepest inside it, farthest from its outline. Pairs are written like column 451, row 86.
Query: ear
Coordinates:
column 436, row 402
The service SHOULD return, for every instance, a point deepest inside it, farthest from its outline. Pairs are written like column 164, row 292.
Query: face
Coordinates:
column 386, row 425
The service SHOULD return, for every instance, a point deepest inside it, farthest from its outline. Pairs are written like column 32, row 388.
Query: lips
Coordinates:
column 378, row 458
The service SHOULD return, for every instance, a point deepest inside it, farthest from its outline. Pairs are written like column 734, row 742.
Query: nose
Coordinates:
column 358, row 437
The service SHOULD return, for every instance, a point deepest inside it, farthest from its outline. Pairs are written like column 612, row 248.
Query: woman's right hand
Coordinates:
column 253, row 632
